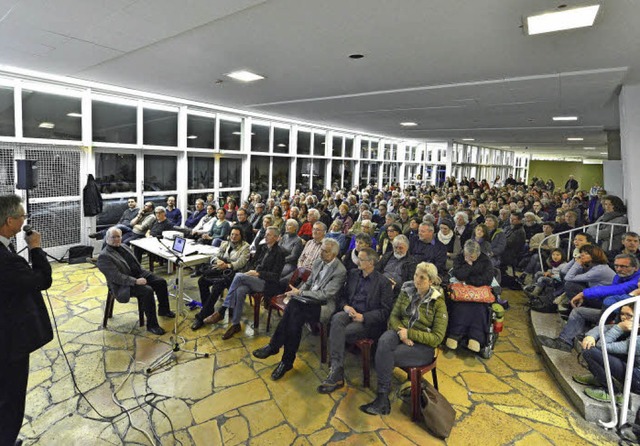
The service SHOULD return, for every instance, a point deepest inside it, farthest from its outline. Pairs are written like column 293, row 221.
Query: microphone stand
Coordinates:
column 170, row 355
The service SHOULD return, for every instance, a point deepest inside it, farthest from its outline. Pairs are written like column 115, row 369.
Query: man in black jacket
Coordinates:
column 363, row 309
column 262, row 275
column 24, row 321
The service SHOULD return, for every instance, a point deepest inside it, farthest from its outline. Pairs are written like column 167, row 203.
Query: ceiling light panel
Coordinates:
column 561, row 20
column 565, row 118
column 245, row 76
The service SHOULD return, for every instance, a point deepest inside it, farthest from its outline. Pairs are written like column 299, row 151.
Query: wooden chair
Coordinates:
column 277, row 302
column 365, row 347
column 108, row 309
column 414, row 374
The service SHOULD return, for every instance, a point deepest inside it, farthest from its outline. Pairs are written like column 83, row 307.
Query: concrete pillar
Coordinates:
column 630, row 150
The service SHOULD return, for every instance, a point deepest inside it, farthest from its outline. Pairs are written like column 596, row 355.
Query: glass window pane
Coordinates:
column 387, row 151
column 303, row 171
column 349, row 167
column 44, row 115
column 304, row 143
column 319, row 169
column 373, row 178
column 280, row 140
column 114, row 123
column 318, row 144
column 112, row 210
column 259, row 138
column 200, row 174
column 364, row 174
column 280, row 175
column 160, row 127
column 230, row 132
column 260, row 175
column 115, row 173
column 348, row 148
column 230, row 172
column 7, row 117
column 336, row 150
column 159, row 172
column 201, row 132
column 336, row 174
column 374, row 150
column 364, row 149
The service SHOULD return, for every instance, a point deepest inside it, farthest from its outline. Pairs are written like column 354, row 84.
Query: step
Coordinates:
column 563, row 365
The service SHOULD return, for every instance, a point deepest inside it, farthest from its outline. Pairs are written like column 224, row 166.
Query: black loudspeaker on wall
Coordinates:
column 27, row 174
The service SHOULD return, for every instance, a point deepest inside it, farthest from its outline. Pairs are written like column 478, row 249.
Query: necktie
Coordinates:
column 12, row 248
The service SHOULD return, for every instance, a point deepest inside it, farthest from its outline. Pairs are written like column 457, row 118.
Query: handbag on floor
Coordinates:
column 437, row 413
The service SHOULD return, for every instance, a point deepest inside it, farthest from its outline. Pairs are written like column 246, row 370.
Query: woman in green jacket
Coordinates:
column 417, row 326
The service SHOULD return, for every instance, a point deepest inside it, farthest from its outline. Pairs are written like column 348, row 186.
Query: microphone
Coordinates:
column 28, row 230
column 191, row 254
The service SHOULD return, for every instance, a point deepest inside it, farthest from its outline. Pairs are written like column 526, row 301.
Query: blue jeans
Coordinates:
column 577, row 322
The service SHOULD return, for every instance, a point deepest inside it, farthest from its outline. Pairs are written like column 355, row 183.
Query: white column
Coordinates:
column 630, row 151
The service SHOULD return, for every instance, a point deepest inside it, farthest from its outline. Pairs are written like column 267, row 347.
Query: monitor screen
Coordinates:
column 178, row 245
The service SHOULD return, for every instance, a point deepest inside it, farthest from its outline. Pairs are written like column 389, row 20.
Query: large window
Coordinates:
column 280, row 175
column 374, row 150
column 348, row 147
column 230, row 132
column 280, row 140
column 51, row 116
column 336, row 174
column 7, row 117
column 336, row 149
column 260, row 175
column 303, row 173
column 160, row 127
column 349, row 167
column 115, row 172
column 230, row 172
column 114, row 123
column 200, row 175
column 364, row 149
column 260, row 138
column 318, row 144
column 159, row 172
column 201, row 132
column 304, row 143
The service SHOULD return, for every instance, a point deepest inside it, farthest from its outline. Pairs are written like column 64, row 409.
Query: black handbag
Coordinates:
column 437, row 413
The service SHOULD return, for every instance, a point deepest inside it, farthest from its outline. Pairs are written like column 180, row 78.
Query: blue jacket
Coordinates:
column 619, row 286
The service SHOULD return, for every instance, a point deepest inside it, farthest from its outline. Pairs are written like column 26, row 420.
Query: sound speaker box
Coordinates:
column 27, row 174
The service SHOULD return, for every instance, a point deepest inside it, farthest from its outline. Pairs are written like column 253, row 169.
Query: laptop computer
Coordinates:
column 178, row 245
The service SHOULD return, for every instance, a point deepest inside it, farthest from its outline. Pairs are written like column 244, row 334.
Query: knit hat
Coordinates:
column 448, row 222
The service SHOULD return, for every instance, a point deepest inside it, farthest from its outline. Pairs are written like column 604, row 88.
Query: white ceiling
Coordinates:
column 460, row 68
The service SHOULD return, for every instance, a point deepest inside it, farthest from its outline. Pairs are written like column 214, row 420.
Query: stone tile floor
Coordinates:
column 230, row 399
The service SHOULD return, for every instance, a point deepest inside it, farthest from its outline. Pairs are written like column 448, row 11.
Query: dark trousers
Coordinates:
column 618, row 365
column 392, row 352
column 289, row 330
column 343, row 330
column 13, row 392
column 211, row 289
column 158, row 286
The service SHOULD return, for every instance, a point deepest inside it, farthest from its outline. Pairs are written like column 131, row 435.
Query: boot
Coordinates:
column 380, row 406
column 334, row 381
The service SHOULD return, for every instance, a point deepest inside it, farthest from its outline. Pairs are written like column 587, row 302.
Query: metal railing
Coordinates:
column 631, row 356
column 580, row 229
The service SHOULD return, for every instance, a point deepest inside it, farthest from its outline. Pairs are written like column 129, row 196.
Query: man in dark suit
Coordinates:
column 306, row 305
column 24, row 321
column 262, row 275
column 363, row 309
column 126, row 277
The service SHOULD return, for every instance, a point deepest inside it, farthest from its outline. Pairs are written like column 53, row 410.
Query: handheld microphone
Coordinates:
column 28, row 230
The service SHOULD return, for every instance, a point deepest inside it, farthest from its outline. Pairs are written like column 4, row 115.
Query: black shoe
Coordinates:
column 170, row 314
column 280, row 370
column 18, row 442
column 265, row 352
column 334, row 381
column 380, row 406
column 197, row 323
column 156, row 330
column 555, row 343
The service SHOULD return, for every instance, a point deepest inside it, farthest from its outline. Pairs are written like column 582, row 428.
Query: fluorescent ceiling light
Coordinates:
column 408, row 124
column 565, row 118
column 192, row 137
column 562, row 20
column 245, row 76
column 604, row 153
column 47, row 125
column 589, row 148
column 575, row 139
column 468, row 139
column 282, row 145
column 74, row 115
column 237, row 133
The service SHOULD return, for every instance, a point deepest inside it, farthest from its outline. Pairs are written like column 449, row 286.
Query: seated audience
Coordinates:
column 416, row 327
column 257, row 216
column 363, row 309
column 243, row 223
column 204, row 225
column 173, row 213
column 630, row 245
column 141, row 223
column 306, row 230
column 310, row 252
column 292, row 244
column 481, row 236
column 350, row 259
column 543, row 242
column 219, row 229
column 126, row 277
column 398, row 266
column 427, row 248
column 306, row 305
column 196, row 215
column 335, row 232
column 614, row 212
column 124, row 224
column 267, row 221
column 385, row 244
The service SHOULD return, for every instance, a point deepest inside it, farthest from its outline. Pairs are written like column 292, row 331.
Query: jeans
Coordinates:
column 577, row 323
column 392, row 352
column 289, row 330
column 343, row 330
column 617, row 364
column 240, row 287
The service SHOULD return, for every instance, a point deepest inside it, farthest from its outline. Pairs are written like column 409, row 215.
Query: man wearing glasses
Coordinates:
column 587, row 304
column 24, row 321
